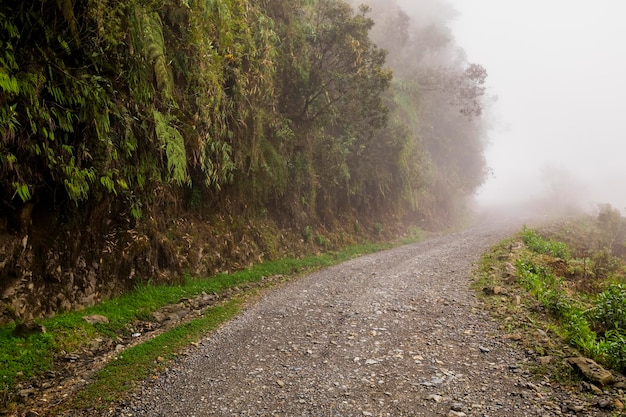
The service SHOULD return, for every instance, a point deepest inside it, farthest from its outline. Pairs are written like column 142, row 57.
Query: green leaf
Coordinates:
column 22, row 191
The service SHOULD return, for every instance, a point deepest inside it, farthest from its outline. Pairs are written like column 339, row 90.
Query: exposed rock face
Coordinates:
column 52, row 261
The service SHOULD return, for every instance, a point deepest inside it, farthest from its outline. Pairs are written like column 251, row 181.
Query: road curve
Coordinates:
column 396, row 333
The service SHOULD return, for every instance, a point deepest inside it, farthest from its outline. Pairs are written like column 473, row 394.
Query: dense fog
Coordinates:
column 555, row 89
column 557, row 69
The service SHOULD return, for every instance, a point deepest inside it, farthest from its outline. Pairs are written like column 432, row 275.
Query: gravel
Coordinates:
column 396, row 333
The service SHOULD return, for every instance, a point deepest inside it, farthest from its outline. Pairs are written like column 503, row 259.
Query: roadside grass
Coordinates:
column 139, row 362
column 559, row 307
column 24, row 358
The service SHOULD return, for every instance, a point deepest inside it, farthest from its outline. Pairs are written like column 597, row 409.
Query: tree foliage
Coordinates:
column 278, row 105
column 440, row 98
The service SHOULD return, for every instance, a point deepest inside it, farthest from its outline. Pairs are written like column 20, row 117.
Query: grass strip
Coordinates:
column 138, row 362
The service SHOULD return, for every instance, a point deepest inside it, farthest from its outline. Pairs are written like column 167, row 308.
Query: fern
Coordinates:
column 67, row 9
column 22, row 190
column 8, row 83
column 174, row 145
column 151, row 32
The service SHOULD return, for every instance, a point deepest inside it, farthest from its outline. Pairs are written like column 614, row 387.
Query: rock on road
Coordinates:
column 396, row 333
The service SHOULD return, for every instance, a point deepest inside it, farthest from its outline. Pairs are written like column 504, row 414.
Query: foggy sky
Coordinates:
column 558, row 69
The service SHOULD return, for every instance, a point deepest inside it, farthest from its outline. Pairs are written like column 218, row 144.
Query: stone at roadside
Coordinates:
column 96, row 318
column 545, row 360
column 26, row 392
column 495, row 290
column 457, row 407
column 453, row 413
column 576, row 408
column 604, row 403
column 592, row 388
column 591, row 370
column 510, row 273
column 434, row 381
column 434, row 397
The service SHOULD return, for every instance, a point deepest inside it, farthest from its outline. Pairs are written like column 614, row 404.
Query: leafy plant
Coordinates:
column 614, row 348
column 322, row 241
column 307, row 234
column 538, row 244
column 609, row 312
column 173, row 144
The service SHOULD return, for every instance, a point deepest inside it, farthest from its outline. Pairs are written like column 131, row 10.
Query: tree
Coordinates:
column 332, row 93
column 439, row 97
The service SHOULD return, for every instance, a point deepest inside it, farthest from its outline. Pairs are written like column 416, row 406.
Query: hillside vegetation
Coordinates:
column 140, row 139
column 570, row 281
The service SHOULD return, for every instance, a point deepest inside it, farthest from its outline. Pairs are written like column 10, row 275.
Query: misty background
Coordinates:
column 556, row 86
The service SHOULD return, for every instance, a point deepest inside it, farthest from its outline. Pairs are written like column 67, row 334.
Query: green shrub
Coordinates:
column 322, row 241
column 610, row 310
column 577, row 331
column 538, row 244
column 307, row 234
column 614, row 347
column 604, row 264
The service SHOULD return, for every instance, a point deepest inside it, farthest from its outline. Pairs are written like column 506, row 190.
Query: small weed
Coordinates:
column 322, row 241
column 307, row 234
column 614, row 348
column 414, row 235
column 610, row 310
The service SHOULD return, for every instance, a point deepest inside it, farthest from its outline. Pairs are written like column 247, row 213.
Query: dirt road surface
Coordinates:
column 396, row 333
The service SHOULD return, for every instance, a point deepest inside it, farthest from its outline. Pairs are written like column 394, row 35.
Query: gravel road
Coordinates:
column 396, row 333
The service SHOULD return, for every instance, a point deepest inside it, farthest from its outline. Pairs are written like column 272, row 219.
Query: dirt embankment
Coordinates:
column 53, row 261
